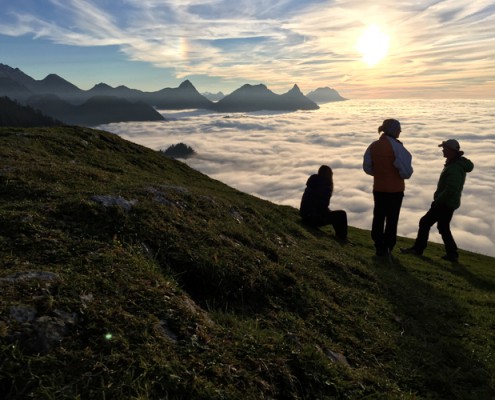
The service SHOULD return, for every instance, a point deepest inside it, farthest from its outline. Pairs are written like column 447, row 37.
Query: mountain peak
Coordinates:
column 56, row 84
column 17, row 75
column 186, row 85
column 259, row 86
column 324, row 95
column 102, row 85
column 53, row 77
column 295, row 89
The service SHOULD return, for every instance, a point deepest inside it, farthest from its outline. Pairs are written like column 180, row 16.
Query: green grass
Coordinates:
column 199, row 291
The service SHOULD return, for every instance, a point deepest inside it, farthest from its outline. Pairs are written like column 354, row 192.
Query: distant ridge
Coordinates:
column 325, row 95
column 96, row 110
column 259, row 97
column 184, row 97
column 17, row 85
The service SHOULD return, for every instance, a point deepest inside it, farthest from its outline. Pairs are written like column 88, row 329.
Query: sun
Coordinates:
column 373, row 45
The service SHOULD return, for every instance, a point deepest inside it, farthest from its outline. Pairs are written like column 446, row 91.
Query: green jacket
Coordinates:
column 451, row 182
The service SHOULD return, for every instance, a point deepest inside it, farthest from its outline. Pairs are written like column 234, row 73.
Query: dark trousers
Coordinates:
column 385, row 220
column 337, row 218
column 442, row 216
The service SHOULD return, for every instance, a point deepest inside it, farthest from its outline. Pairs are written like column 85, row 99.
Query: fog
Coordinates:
column 271, row 155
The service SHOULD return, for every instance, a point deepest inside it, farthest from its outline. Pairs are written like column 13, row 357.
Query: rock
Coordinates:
column 22, row 313
column 114, row 201
column 25, row 275
column 49, row 333
column 337, row 357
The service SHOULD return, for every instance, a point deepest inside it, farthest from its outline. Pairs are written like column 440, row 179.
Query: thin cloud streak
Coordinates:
column 438, row 46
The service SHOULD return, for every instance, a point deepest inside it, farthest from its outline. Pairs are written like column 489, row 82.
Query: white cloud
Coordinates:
column 271, row 155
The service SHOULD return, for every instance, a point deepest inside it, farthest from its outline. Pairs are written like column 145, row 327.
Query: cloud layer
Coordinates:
column 437, row 48
column 271, row 155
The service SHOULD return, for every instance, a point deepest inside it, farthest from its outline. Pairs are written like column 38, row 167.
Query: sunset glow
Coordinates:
column 442, row 49
column 373, row 45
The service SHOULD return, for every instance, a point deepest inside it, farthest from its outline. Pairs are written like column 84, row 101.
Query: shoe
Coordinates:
column 410, row 250
column 450, row 258
column 345, row 241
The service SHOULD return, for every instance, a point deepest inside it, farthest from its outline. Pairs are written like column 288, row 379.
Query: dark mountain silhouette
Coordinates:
column 54, row 106
column 102, row 89
column 105, row 109
column 17, row 85
column 259, row 97
column 13, row 89
column 183, row 97
column 20, row 86
column 54, row 84
column 16, row 75
column 15, row 114
column 295, row 98
column 95, row 111
column 324, row 95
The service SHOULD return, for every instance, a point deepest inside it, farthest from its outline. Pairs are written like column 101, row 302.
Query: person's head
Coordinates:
column 390, row 127
column 451, row 149
column 326, row 172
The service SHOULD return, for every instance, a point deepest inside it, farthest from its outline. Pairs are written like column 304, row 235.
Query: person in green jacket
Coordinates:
column 446, row 199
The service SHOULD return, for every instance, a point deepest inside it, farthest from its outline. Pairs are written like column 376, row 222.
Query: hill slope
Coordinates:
column 126, row 274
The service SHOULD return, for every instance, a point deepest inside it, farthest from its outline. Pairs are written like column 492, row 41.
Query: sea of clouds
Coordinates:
column 271, row 155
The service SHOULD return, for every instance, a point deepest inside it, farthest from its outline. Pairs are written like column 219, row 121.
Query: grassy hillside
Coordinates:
column 128, row 275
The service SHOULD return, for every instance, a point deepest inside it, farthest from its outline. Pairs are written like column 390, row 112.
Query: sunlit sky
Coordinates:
column 361, row 48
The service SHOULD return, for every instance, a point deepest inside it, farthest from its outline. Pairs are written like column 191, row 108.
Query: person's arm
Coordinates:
column 403, row 159
column 368, row 162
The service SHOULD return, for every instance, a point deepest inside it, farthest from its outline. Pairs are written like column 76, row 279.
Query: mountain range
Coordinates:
column 62, row 100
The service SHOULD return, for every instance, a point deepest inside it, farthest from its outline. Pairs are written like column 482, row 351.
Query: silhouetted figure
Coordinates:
column 446, row 199
column 315, row 203
column 388, row 161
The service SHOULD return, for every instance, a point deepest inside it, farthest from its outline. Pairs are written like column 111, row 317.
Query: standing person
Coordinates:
column 315, row 203
column 388, row 161
column 446, row 199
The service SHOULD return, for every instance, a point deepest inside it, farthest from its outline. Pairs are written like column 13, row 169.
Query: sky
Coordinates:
column 362, row 48
column 271, row 155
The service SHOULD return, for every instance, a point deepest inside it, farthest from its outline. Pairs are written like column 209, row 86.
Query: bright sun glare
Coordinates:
column 373, row 45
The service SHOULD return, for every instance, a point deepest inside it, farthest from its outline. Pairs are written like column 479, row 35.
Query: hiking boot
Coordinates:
column 451, row 258
column 411, row 250
column 345, row 241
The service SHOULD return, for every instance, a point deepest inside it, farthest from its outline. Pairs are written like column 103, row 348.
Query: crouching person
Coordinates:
column 315, row 202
